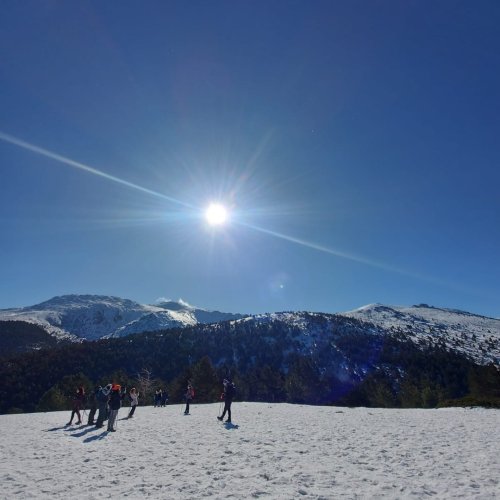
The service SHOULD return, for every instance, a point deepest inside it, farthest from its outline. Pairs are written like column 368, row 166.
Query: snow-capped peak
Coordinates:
column 96, row 316
column 476, row 336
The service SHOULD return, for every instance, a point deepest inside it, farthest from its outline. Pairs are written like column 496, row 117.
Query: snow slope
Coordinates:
column 270, row 451
column 478, row 337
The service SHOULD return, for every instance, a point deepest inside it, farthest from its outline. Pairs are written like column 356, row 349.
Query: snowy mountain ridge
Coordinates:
column 91, row 317
column 478, row 337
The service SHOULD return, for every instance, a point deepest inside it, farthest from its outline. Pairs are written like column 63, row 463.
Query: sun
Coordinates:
column 216, row 214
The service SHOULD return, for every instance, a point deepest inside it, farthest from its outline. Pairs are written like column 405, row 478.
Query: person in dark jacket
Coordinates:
column 227, row 396
column 164, row 397
column 102, row 397
column 78, row 403
column 115, row 403
column 158, row 396
column 189, row 397
column 93, row 405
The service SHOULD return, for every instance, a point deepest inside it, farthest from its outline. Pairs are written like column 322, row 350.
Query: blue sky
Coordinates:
column 355, row 144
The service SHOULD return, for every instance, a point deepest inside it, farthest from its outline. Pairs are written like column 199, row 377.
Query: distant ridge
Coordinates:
column 91, row 317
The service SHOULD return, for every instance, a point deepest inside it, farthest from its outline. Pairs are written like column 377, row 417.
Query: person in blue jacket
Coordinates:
column 102, row 397
column 115, row 403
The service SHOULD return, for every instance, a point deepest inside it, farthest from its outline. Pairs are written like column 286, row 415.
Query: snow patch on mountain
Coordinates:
column 155, row 320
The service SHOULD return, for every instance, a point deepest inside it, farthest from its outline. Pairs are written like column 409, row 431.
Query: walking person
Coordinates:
column 115, row 403
column 189, row 397
column 134, row 401
column 227, row 396
column 78, row 403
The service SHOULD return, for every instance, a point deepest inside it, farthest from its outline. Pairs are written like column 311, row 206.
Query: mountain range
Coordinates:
column 376, row 355
column 74, row 318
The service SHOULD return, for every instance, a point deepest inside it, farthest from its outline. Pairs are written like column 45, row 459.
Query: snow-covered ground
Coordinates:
column 270, row 450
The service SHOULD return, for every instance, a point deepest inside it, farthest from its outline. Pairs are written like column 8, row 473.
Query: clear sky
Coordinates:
column 355, row 145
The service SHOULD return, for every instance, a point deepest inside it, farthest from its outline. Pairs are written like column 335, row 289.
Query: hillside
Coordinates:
column 18, row 336
column 294, row 357
column 477, row 337
column 92, row 317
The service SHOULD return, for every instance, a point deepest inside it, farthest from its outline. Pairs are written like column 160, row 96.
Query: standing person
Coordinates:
column 102, row 404
column 134, row 401
column 227, row 396
column 78, row 401
column 158, row 396
column 189, row 397
column 164, row 397
column 93, row 405
column 115, row 403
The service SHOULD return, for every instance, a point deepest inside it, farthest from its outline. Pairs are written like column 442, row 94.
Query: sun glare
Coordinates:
column 216, row 214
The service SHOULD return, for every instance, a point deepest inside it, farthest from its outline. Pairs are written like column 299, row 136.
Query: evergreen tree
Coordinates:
column 205, row 381
column 53, row 400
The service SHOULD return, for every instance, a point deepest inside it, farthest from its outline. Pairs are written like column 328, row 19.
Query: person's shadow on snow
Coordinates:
column 85, row 431
column 229, row 426
column 53, row 429
column 102, row 435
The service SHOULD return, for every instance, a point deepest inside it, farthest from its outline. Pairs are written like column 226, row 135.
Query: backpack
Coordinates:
column 101, row 396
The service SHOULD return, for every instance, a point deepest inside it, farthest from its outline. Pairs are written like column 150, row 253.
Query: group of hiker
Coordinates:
column 106, row 402
column 161, row 398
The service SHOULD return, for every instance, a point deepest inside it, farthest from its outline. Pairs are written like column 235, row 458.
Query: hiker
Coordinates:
column 158, row 396
column 227, row 396
column 189, row 397
column 115, row 403
column 93, row 405
column 78, row 403
column 102, row 397
column 134, row 401
column 164, row 397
